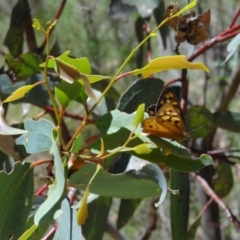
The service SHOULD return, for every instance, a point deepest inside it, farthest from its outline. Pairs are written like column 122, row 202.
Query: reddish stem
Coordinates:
column 42, row 190
column 50, row 109
column 234, row 18
column 50, row 233
column 42, row 161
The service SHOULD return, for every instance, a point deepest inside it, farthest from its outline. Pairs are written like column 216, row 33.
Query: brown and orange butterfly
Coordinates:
column 166, row 118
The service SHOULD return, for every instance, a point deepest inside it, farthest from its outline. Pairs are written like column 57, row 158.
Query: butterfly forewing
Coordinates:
column 168, row 121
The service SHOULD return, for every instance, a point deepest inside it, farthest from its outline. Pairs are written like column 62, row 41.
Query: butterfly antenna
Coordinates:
column 197, row 128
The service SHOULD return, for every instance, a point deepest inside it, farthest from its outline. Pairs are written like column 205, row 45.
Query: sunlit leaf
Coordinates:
column 28, row 233
column 66, row 72
column 81, row 64
column 19, row 93
column 167, row 63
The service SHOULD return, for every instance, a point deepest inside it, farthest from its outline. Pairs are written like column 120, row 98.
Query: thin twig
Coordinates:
column 207, row 189
column 57, row 15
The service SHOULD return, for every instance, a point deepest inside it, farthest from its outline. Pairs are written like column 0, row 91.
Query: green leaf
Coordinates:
column 66, row 92
column 143, row 91
column 66, row 71
column 39, row 137
column 179, row 205
column 56, row 192
column 227, row 120
column 126, row 210
column 29, row 232
column 168, row 63
column 125, row 185
column 98, row 216
column 67, row 225
column 78, row 142
column 81, row 97
column 223, row 179
column 198, row 116
column 23, row 66
column 81, row 64
column 112, row 122
column 19, row 93
column 16, row 200
column 95, row 78
column 14, row 37
column 191, row 234
column 38, row 95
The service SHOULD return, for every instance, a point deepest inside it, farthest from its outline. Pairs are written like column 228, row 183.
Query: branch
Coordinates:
column 207, row 189
column 152, row 221
column 114, row 232
column 57, row 15
column 50, row 109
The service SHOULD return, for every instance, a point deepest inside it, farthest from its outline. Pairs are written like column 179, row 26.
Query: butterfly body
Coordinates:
column 167, row 120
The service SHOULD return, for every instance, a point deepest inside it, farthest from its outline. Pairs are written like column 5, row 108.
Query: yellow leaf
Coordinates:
column 19, row 93
column 82, row 213
column 167, row 63
column 139, row 115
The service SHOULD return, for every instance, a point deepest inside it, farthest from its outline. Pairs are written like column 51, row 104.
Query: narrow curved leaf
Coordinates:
column 67, row 225
column 40, row 138
column 168, row 63
column 5, row 129
column 82, row 212
column 19, row 93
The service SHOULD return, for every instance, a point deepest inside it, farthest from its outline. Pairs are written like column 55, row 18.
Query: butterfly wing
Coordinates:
column 168, row 121
column 168, row 96
column 198, row 28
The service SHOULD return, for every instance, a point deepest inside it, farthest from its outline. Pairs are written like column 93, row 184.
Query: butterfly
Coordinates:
column 189, row 26
column 166, row 118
